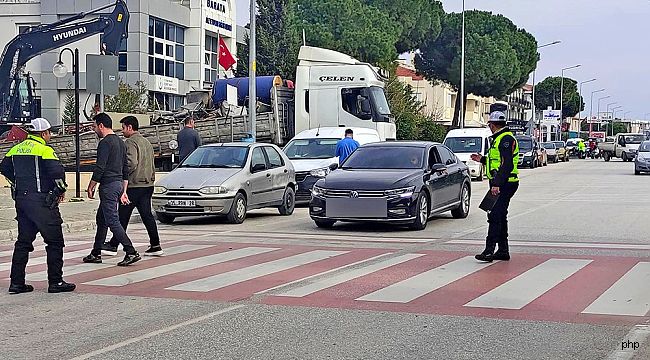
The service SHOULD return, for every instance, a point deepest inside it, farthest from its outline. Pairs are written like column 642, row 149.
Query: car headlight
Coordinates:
column 528, row 153
column 159, row 190
column 317, row 191
column 211, row 190
column 403, row 192
column 320, row 173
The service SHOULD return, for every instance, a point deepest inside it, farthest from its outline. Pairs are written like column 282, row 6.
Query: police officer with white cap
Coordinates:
column 501, row 165
column 37, row 180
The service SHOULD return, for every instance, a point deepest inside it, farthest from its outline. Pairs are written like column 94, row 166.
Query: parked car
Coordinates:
column 229, row 180
column 561, row 150
column 395, row 182
column 551, row 152
column 468, row 141
column 313, row 154
column 642, row 161
column 528, row 152
column 624, row 146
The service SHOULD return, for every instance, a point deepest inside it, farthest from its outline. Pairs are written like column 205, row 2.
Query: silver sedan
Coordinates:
column 229, row 180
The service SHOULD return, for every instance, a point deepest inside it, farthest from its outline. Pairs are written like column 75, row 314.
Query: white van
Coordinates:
column 313, row 154
column 468, row 141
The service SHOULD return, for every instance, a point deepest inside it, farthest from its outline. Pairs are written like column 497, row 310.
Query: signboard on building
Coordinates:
column 218, row 16
column 605, row 116
column 166, row 84
column 551, row 115
column 597, row 134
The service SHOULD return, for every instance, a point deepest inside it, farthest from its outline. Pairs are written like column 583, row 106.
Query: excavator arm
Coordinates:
column 43, row 38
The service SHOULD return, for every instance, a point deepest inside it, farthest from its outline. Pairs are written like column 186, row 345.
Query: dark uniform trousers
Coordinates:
column 498, row 220
column 33, row 217
column 140, row 199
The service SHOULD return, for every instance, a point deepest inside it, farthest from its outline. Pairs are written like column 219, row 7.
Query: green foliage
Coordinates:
column 547, row 93
column 129, row 99
column 69, row 108
column 499, row 56
column 411, row 123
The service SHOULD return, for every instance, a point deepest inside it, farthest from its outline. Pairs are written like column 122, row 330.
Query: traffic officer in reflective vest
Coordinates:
column 501, row 165
column 37, row 180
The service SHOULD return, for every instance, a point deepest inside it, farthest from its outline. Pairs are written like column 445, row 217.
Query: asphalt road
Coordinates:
column 577, row 287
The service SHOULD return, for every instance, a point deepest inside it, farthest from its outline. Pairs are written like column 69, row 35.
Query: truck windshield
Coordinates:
column 379, row 99
column 311, row 148
column 217, row 157
column 634, row 139
column 464, row 144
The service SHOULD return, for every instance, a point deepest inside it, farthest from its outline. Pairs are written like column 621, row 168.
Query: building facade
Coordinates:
column 172, row 47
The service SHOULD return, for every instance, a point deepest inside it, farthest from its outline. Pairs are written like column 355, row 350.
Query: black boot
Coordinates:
column 61, row 287
column 19, row 289
column 484, row 256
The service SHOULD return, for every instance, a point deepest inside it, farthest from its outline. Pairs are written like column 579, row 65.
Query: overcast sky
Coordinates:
column 609, row 38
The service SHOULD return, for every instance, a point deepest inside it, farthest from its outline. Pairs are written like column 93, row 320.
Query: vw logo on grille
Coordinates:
column 354, row 194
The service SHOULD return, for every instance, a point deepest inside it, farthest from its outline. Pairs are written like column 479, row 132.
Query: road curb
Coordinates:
column 68, row 228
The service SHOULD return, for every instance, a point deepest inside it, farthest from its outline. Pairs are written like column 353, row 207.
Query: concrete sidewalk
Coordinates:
column 77, row 216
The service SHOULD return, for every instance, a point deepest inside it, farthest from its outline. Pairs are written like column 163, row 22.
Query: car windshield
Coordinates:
column 389, row 157
column 217, row 157
column 464, row 144
column 645, row 147
column 634, row 139
column 549, row 146
column 571, row 143
column 311, row 148
column 525, row 145
column 559, row 144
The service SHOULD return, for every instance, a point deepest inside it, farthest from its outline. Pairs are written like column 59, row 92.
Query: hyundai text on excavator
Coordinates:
column 18, row 101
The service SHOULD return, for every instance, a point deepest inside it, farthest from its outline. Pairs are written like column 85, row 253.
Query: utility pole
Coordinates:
column 462, row 73
column 252, row 64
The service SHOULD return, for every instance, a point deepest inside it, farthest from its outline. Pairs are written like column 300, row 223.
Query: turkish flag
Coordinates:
column 225, row 57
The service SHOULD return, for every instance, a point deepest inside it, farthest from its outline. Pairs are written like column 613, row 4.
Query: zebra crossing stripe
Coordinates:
column 111, row 262
column 347, row 276
column 174, row 268
column 419, row 285
column 251, row 272
column 630, row 295
column 525, row 288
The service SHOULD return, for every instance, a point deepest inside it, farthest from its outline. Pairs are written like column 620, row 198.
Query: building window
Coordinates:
column 166, row 49
column 211, row 58
column 167, row 102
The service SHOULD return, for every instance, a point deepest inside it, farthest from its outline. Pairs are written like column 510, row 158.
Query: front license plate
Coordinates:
column 182, row 203
column 357, row 208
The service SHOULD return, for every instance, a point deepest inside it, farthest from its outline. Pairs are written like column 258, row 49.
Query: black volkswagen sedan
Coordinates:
column 397, row 182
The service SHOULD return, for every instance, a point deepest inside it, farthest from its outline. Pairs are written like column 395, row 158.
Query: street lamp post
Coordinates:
column 607, row 112
column 598, row 111
column 462, row 72
column 539, row 122
column 591, row 107
column 562, row 91
column 615, row 110
column 60, row 70
column 580, row 94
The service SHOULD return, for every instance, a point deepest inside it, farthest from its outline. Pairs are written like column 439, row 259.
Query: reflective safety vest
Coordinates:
column 493, row 161
column 33, row 166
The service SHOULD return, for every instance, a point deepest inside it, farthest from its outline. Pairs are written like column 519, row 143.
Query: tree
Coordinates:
column 415, row 19
column 277, row 40
column 547, row 93
column 411, row 123
column 499, row 56
column 69, row 109
column 129, row 99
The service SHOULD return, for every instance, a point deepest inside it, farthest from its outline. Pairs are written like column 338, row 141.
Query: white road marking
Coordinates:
column 236, row 276
column 347, row 276
column 558, row 244
column 630, row 295
column 426, row 282
column 112, row 261
column 174, row 268
column 525, row 288
column 157, row 333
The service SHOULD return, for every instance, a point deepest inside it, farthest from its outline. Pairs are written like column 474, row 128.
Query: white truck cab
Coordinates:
column 468, row 141
column 313, row 154
column 335, row 90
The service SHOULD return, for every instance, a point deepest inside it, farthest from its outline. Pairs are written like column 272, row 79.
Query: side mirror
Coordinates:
column 439, row 168
column 334, row 167
column 258, row 168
